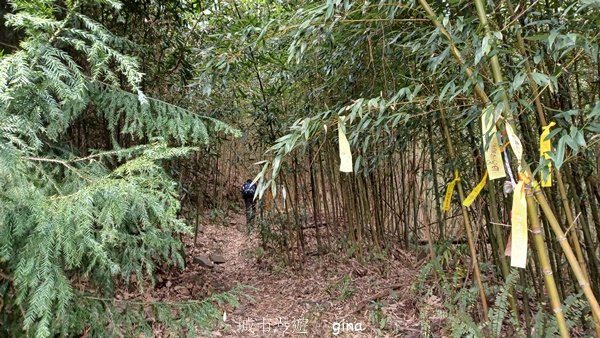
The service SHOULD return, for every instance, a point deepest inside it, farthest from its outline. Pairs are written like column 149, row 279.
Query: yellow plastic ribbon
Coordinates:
column 545, row 147
column 518, row 244
column 515, row 143
column 449, row 191
column 493, row 156
column 473, row 195
column 345, row 153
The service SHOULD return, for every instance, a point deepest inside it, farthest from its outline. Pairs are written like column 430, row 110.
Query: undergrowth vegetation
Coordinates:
column 466, row 127
column 449, row 305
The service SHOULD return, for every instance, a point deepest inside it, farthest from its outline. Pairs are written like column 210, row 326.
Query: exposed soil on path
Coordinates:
column 330, row 294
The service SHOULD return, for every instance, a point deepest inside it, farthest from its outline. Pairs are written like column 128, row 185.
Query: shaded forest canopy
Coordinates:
column 472, row 129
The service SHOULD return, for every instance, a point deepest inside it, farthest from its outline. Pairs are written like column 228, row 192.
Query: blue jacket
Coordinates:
column 248, row 190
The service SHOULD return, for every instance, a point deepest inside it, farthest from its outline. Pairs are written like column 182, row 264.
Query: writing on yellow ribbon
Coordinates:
column 449, row 191
column 515, row 143
column 491, row 148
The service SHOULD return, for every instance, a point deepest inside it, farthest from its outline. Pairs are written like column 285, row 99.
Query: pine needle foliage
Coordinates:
column 110, row 318
column 73, row 228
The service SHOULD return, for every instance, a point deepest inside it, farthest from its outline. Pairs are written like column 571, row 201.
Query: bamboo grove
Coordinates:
column 409, row 83
column 420, row 89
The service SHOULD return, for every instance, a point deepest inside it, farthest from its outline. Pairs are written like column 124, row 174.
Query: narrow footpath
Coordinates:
column 331, row 296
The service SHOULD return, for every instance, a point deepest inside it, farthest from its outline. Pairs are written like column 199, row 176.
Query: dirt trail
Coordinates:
column 330, row 294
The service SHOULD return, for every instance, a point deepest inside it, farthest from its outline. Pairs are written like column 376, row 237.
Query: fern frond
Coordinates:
column 498, row 312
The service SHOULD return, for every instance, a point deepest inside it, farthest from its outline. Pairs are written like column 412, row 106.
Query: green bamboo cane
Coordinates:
column 467, row 221
column 542, row 118
column 582, row 209
column 571, row 258
column 501, row 244
column 559, row 180
column 570, row 222
column 581, row 278
column 436, row 193
column 538, row 241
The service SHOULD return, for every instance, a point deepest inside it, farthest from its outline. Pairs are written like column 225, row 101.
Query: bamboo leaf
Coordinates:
column 518, row 80
column 559, row 156
column 552, row 37
column 540, row 79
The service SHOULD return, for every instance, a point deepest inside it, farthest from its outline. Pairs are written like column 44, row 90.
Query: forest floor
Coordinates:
column 330, row 295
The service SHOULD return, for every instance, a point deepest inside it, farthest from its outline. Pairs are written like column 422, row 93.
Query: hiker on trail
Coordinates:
column 248, row 190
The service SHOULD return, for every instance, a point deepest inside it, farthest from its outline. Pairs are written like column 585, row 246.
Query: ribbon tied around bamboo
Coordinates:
column 545, row 147
column 473, row 195
column 449, row 191
column 345, row 152
column 518, row 257
column 491, row 147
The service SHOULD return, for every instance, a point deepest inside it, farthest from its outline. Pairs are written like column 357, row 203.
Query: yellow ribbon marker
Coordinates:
column 345, row 153
column 473, row 195
column 518, row 243
column 515, row 143
column 449, row 191
column 493, row 156
column 545, row 147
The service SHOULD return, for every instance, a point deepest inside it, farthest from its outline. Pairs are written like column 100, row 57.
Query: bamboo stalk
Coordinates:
column 539, row 197
column 334, row 186
column 326, row 215
column 555, row 302
column 558, row 175
column 581, row 210
column 289, row 204
column 348, row 211
column 556, row 254
column 570, row 222
column 526, row 309
column 466, row 220
column 571, row 258
column 438, row 207
column 296, row 208
column 315, row 202
column 403, row 202
column 594, row 209
column 498, row 236
column 396, row 204
column 415, row 193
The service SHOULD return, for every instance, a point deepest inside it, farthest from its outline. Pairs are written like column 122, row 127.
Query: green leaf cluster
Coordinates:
column 75, row 226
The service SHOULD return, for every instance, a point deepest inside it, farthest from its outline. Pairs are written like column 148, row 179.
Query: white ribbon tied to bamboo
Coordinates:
column 345, row 153
column 518, row 234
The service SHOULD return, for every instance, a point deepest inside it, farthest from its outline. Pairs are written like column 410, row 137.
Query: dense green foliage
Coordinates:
column 76, row 223
column 404, row 74
column 86, row 158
